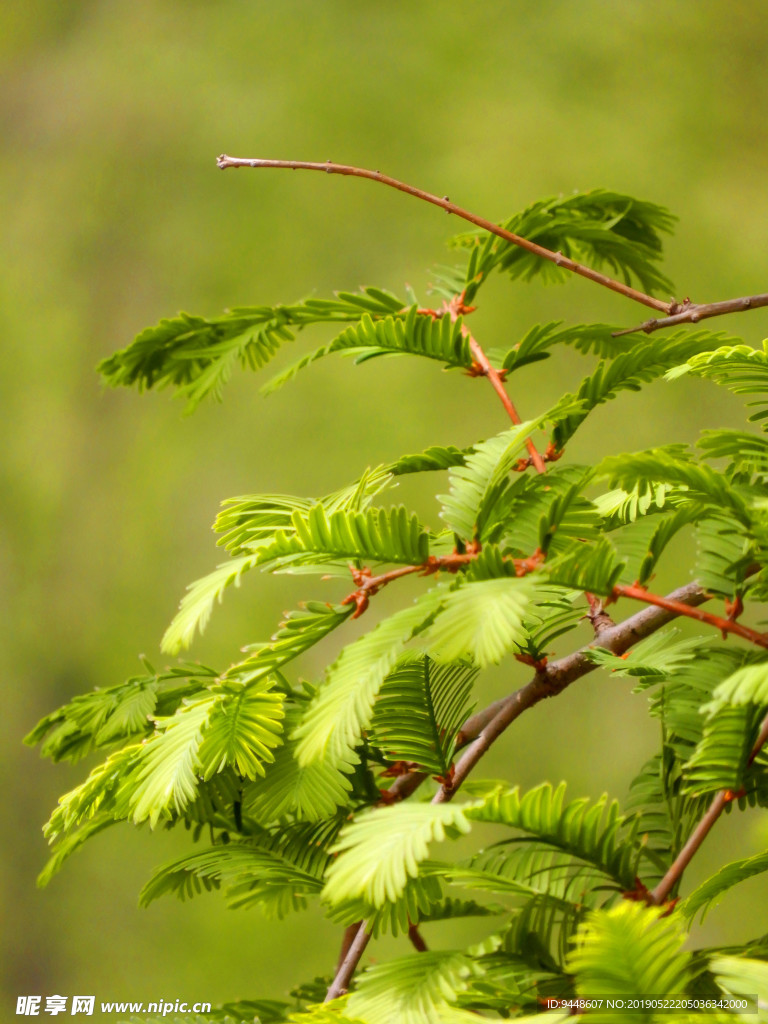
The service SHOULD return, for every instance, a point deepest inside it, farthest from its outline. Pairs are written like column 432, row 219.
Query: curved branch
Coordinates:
column 224, row 161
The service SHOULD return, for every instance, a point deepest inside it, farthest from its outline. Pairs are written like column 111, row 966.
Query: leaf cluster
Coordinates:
column 285, row 783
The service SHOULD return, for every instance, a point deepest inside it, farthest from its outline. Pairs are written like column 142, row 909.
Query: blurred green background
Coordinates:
column 114, row 216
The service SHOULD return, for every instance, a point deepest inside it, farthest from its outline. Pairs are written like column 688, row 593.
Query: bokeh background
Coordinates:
column 113, row 215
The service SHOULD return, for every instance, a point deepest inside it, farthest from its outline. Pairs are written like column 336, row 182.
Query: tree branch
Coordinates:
column 691, row 312
column 224, row 161
column 702, row 830
column 639, row 593
column 486, row 726
column 340, row 983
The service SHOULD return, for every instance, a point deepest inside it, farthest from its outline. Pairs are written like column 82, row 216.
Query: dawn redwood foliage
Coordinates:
column 349, row 791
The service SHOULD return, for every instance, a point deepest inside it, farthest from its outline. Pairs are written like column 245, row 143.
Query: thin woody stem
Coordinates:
column 340, row 983
column 224, row 161
column 702, row 830
column 455, row 308
column 639, row 593
column 692, row 312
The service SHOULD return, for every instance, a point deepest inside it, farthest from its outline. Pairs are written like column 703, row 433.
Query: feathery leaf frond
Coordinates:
column 342, row 708
column 198, row 355
column 411, row 333
column 599, row 228
column 739, row 368
column 420, row 708
column 411, row 989
column 379, row 852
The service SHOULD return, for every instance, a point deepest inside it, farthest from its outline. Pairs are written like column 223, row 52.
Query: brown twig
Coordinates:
column 597, row 615
column 340, row 983
column 692, row 312
column 702, row 830
column 368, row 585
column 417, row 939
column 639, row 593
column 224, row 161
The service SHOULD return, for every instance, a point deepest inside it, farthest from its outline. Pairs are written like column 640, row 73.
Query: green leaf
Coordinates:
column 431, row 459
column 657, row 656
column 379, row 851
column 721, row 758
column 312, row 792
column 410, row 333
column 725, row 555
column 647, row 361
column 738, row 976
column 250, row 875
column 376, row 534
column 703, row 897
column 300, row 630
column 673, row 465
column 198, row 355
column 243, row 730
column 536, row 343
column 420, row 896
column 589, row 833
column 593, row 567
column 247, row 521
column 748, row 685
column 412, row 989
column 420, row 708
column 105, row 716
column 196, row 606
column 642, row 543
column 597, row 228
column 342, row 707
column 64, row 849
column 739, row 368
column 478, row 485
column 482, row 621
column 630, row 950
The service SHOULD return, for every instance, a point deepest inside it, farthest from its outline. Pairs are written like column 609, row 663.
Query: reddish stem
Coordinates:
column 639, row 593
column 455, row 309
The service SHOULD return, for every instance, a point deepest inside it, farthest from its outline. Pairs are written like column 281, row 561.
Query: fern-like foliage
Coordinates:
column 197, row 355
column 413, row 989
column 411, row 333
column 106, row 716
column 647, row 361
column 739, row 368
column 419, row 711
column 477, row 487
column 388, row 850
column 280, row 781
column 596, row 837
column 334, row 720
column 701, row 900
column 599, row 228
column 630, row 950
